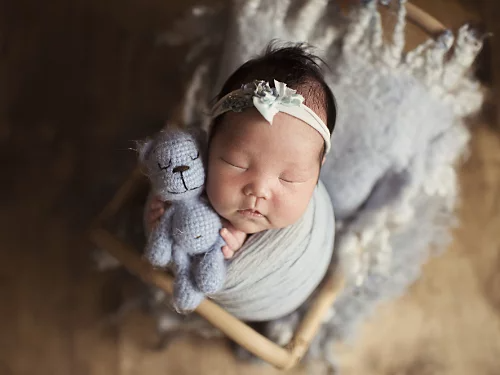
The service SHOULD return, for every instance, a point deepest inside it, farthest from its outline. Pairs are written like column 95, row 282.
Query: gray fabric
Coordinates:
column 277, row 270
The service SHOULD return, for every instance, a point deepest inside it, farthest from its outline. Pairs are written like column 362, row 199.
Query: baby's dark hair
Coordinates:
column 298, row 68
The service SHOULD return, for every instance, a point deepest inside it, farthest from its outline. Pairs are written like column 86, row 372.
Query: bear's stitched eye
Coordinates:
column 197, row 156
column 197, row 237
column 163, row 168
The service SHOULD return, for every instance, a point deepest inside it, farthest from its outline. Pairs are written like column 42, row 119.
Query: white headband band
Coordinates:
column 269, row 101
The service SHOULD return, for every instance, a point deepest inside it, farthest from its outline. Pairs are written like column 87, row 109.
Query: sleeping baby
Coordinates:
column 269, row 136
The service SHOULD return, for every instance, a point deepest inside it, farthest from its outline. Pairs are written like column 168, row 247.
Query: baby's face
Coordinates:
column 262, row 176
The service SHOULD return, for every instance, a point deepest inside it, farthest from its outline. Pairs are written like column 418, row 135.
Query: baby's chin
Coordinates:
column 249, row 228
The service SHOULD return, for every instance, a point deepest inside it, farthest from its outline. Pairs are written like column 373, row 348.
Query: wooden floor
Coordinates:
column 79, row 81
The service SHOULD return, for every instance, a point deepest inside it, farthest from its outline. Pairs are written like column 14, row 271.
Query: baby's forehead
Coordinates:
column 287, row 136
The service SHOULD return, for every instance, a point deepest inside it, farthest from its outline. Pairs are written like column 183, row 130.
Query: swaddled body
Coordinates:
column 188, row 233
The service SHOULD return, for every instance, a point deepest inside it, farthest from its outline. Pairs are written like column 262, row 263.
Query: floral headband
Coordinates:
column 269, row 101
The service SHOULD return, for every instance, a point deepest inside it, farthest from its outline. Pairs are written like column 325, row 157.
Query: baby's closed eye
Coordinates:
column 287, row 180
column 292, row 179
column 234, row 164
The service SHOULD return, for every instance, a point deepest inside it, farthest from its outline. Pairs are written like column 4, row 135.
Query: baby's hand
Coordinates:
column 234, row 239
column 155, row 211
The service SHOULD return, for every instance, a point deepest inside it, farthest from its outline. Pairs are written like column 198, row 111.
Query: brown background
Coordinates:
column 79, row 80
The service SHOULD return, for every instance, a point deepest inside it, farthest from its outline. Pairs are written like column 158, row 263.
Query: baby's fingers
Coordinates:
column 155, row 215
column 231, row 241
column 156, row 203
column 228, row 253
column 238, row 235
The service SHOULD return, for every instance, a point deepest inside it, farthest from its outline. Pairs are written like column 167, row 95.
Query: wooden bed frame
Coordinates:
column 281, row 357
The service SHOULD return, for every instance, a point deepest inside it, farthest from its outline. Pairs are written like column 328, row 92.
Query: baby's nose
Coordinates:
column 259, row 189
column 180, row 168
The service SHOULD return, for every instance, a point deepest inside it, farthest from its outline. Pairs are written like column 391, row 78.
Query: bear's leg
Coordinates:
column 158, row 250
column 210, row 271
column 186, row 296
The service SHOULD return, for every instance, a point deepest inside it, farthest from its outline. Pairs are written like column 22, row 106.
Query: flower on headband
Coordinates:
column 263, row 97
column 264, row 92
column 288, row 96
column 266, row 99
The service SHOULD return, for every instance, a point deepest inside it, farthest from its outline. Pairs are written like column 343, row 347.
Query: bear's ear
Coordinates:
column 144, row 149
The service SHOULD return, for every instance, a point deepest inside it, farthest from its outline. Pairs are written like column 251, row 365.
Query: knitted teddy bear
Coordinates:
column 187, row 235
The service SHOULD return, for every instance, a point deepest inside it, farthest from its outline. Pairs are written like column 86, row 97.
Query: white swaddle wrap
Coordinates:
column 277, row 270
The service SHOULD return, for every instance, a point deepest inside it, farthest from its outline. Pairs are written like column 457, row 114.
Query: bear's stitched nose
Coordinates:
column 180, row 168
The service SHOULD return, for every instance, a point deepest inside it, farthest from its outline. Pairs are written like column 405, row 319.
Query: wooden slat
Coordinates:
column 227, row 323
column 424, row 20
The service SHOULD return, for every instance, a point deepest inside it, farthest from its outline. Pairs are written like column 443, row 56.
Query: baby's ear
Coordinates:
column 144, row 149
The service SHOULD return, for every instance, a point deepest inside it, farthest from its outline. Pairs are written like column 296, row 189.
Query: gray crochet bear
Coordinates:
column 187, row 235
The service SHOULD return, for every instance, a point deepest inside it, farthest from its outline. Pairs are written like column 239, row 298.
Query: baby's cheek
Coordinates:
column 219, row 192
column 290, row 207
column 213, row 193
